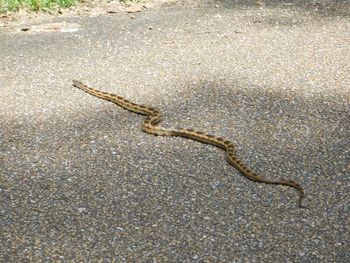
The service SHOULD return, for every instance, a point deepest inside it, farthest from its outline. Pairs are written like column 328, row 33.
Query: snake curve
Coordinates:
column 151, row 125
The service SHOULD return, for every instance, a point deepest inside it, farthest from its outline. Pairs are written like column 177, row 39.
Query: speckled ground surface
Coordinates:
column 80, row 182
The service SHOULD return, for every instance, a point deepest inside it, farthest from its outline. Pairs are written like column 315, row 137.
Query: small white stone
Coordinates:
column 82, row 209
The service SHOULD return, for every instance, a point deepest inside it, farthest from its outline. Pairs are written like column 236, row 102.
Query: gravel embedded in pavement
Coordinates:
column 80, row 181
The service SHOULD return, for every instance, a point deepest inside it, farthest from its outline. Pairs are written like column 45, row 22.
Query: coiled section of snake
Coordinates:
column 151, row 125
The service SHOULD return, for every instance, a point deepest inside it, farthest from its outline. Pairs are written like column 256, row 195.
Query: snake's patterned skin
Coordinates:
column 151, row 125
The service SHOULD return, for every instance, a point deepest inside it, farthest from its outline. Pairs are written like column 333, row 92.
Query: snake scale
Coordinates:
column 151, row 125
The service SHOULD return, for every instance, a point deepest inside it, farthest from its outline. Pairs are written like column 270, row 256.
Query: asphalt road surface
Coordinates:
column 80, row 181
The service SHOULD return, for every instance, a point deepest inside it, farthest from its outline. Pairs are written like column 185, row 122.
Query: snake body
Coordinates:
column 151, row 125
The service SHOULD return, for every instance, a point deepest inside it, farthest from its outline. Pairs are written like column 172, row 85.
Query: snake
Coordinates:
column 150, row 125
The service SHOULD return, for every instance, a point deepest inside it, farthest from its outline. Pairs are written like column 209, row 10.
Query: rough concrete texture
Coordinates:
column 80, row 182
